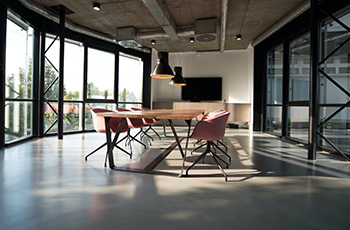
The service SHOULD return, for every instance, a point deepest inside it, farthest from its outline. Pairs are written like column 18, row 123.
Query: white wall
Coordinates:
column 235, row 68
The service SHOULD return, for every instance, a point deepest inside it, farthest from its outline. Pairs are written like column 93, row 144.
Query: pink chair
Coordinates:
column 132, row 123
column 218, row 142
column 211, row 128
column 99, row 126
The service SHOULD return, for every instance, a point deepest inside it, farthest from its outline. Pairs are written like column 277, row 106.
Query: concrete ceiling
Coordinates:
column 247, row 17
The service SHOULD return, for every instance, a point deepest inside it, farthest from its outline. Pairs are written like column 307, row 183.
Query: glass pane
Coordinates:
column 299, row 69
column 130, row 79
column 337, row 130
column 19, row 60
column 18, row 120
column 73, row 71
column 129, row 106
column 101, row 67
column 298, row 122
column 88, row 107
column 51, row 68
column 274, row 119
column 71, row 117
column 50, row 117
column 338, row 65
column 274, row 75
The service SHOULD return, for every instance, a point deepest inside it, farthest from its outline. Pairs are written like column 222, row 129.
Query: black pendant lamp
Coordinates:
column 178, row 80
column 162, row 69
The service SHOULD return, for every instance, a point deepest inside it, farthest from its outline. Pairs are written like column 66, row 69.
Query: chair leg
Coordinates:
column 214, row 154
column 123, row 150
column 144, row 133
column 198, row 148
column 221, row 143
column 133, row 138
column 151, row 128
column 220, row 167
column 216, row 146
column 215, row 157
column 196, row 161
column 198, row 141
column 95, row 151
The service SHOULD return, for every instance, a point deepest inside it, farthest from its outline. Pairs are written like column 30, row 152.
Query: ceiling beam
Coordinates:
column 163, row 16
column 224, row 9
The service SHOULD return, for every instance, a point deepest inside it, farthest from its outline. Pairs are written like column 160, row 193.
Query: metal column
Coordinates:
column 42, row 84
column 285, row 91
column 314, row 80
column 61, row 72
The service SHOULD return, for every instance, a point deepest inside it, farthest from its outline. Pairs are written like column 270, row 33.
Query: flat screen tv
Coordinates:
column 202, row 89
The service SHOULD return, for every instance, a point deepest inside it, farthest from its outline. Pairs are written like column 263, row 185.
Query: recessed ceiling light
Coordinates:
column 239, row 37
column 96, row 6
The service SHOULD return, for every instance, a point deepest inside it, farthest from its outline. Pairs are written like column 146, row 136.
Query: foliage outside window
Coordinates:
column 18, row 82
column 73, row 86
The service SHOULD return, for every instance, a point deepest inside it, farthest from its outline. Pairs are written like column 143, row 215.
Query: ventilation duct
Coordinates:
column 127, row 38
column 205, row 30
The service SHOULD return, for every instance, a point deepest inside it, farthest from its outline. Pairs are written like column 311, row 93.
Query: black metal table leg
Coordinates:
column 110, row 143
column 176, row 137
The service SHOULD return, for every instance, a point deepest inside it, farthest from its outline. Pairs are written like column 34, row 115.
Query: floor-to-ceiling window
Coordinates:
column 334, row 78
column 335, row 82
column 130, row 81
column 298, row 95
column 100, row 82
column 274, row 90
column 19, row 79
column 51, row 86
column 73, row 86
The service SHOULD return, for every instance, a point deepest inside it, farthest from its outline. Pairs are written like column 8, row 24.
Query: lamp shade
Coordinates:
column 178, row 80
column 162, row 69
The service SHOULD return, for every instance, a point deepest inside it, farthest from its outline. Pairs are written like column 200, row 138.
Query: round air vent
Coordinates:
column 206, row 38
column 129, row 44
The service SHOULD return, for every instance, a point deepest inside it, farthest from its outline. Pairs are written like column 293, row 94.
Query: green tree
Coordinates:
column 72, row 96
column 24, row 92
column 51, row 76
column 92, row 90
column 127, row 96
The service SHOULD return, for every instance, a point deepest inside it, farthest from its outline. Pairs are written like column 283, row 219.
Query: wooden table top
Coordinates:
column 178, row 114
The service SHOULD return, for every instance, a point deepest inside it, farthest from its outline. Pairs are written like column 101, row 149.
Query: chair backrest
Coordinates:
column 212, row 126
column 146, row 121
column 99, row 122
column 132, row 122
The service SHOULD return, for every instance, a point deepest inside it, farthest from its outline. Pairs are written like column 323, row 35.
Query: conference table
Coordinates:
column 164, row 114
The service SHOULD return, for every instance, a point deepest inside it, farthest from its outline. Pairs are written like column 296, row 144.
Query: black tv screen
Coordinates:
column 202, row 89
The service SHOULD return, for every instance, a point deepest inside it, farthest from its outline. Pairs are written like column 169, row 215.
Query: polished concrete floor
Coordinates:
column 46, row 184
